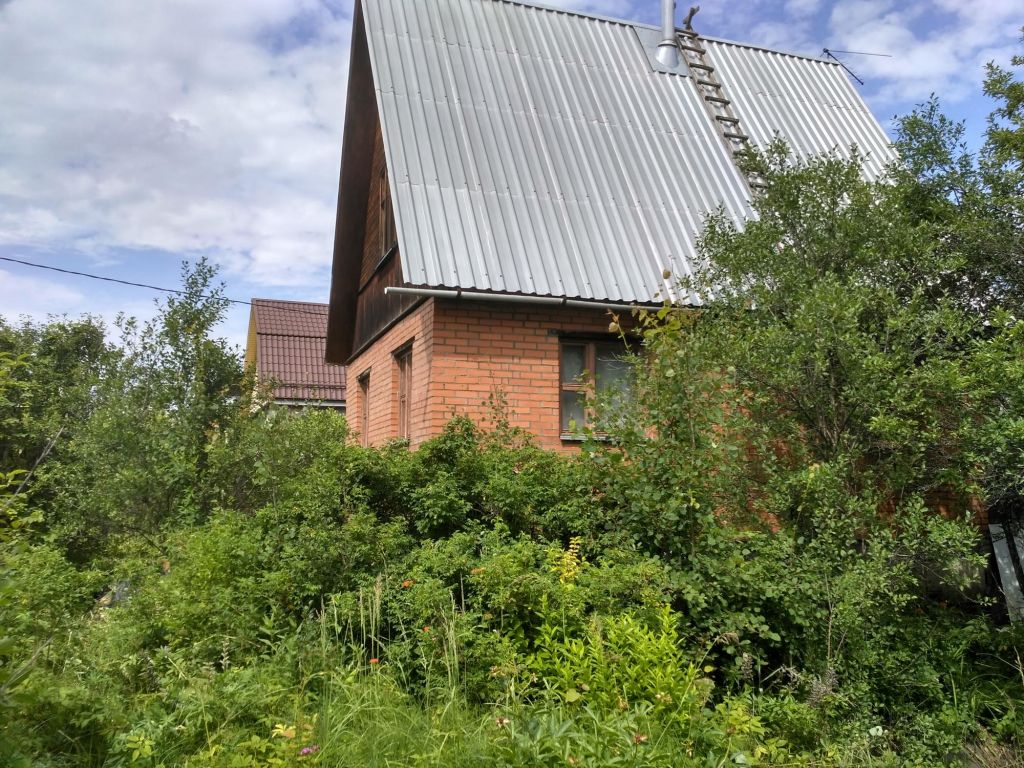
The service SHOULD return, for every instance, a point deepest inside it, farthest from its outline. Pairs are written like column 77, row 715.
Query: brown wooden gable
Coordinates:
column 372, row 255
column 359, row 308
column 361, row 126
column 381, row 266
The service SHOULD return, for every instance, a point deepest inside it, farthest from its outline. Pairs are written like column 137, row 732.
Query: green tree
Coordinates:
column 139, row 460
column 855, row 369
column 791, row 441
column 974, row 205
column 973, row 201
column 1005, row 135
column 62, row 361
column 827, row 340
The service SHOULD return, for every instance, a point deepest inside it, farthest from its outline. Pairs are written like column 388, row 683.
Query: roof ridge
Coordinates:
column 542, row 6
column 255, row 300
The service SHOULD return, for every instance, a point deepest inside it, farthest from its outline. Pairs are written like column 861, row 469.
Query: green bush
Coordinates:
column 744, row 569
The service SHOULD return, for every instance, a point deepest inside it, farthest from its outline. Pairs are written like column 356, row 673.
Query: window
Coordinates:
column 388, row 235
column 403, row 361
column 364, row 408
column 589, row 365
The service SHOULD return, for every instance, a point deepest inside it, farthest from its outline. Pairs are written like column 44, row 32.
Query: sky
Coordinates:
column 135, row 136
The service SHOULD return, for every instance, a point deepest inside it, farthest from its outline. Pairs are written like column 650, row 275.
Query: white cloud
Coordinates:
column 617, row 9
column 192, row 127
column 35, row 298
column 935, row 47
column 802, row 8
column 790, row 35
column 186, row 127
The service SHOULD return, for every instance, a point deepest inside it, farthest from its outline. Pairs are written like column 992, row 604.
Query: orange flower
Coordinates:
column 407, row 583
column 426, row 629
column 375, row 660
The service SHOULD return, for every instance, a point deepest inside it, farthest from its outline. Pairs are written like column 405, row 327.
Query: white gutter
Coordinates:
column 515, row 298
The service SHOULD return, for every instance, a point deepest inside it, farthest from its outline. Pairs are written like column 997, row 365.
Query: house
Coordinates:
column 285, row 345
column 511, row 173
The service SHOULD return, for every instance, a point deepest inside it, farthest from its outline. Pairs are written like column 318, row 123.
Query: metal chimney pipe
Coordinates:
column 668, row 49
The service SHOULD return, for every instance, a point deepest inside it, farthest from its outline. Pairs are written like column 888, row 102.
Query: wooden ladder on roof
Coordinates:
column 718, row 105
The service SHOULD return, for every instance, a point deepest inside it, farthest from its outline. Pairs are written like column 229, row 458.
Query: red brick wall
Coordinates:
column 379, row 360
column 483, row 348
column 463, row 352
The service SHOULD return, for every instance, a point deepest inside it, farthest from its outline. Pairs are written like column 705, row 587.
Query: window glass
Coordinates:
column 600, row 364
column 404, row 361
column 364, row 415
column 573, row 413
column 611, row 371
column 574, row 362
column 388, row 235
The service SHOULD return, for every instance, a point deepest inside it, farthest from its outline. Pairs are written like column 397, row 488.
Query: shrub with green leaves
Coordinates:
column 787, row 442
column 748, row 567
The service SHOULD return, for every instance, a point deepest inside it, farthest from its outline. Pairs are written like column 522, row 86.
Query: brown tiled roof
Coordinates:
column 290, row 341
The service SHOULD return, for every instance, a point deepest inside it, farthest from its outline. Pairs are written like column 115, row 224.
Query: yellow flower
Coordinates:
column 283, row 731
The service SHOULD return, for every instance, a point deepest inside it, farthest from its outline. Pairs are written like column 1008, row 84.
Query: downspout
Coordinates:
column 668, row 48
column 515, row 298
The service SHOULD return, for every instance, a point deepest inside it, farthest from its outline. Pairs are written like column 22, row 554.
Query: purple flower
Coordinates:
column 309, row 750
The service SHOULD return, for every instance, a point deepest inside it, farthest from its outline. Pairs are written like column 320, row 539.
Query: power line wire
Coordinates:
column 863, row 53
column 177, row 291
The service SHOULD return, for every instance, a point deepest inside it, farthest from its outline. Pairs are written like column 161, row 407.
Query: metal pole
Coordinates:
column 668, row 50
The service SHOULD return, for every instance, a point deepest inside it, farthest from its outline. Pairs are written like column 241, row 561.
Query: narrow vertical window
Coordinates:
column 364, row 408
column 403, row 359
column 574, row 398
column 388, row 235
column 589, row 364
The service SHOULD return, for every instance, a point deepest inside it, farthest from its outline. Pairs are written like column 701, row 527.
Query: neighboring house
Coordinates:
column 286, row 345
column 510, row 173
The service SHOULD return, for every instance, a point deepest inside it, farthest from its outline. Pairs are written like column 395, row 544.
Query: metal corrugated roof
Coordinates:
column 810, row 103
column 535, row 151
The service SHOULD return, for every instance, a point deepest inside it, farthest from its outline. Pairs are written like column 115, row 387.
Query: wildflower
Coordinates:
column 407, row 583
column 375, row 660
column 283, row 731
column 312, row 749
column 640, row 738
column 477, row 571
column 747, row 667
column 502, row 722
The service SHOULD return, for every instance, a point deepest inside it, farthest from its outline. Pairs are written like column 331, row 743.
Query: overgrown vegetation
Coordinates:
column 772, row 557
